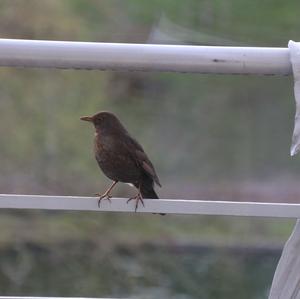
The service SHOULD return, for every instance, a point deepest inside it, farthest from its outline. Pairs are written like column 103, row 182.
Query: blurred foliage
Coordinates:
column 146, row 271
column 196, row 128
column 219, row 137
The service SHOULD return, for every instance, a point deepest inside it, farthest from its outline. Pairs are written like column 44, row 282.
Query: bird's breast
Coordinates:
column 115, row 160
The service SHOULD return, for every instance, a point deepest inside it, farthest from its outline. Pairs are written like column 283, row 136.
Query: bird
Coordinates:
column 121, row 158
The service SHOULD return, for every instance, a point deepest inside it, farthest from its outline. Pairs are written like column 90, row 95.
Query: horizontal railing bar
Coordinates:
column 169, row 206
column 144, row 57
column 26, row 297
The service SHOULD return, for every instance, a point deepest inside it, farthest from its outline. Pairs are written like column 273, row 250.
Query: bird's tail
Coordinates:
column 147, row 191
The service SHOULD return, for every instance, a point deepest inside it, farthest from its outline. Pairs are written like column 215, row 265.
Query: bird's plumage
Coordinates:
column 121, row 157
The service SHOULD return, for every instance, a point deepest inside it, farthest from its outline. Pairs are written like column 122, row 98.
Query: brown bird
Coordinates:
column 121, row 157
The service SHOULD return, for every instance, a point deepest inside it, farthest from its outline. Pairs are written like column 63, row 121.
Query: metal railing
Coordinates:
column 172, row 58
column 145, row 57
column 169, row 206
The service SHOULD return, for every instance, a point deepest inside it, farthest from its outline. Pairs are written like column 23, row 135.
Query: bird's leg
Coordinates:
column 106, row 195
column 138, row 198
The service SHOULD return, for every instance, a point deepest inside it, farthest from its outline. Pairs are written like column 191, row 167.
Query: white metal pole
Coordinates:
column 170, row 206
column 144, row 57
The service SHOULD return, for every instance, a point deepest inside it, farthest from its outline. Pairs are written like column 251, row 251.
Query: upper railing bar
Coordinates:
column 169, row 206
column 144, row 57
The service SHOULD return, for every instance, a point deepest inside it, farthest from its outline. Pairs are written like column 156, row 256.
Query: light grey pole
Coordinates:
column 144, row 57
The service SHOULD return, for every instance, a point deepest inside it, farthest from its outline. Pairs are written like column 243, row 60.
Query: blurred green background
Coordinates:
column 209, row 137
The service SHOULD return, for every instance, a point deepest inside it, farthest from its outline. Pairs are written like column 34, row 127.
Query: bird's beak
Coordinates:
column 87, row 118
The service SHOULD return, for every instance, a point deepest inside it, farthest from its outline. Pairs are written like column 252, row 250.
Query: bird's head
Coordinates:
column 104, row 121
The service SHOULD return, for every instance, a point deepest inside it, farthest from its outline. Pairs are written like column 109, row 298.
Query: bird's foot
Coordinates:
column 138, row 198
column 106, row 196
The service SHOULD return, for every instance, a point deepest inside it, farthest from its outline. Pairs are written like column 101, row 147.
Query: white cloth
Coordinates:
column 295, row 60
column 286, row 281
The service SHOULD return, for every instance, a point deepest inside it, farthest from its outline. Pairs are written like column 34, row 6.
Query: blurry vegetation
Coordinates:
column 197, row 128
column 209, row 136
column 146, row 271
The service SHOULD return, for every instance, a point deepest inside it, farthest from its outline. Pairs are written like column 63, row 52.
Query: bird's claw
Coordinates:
column 106, row 196
column 138, row 198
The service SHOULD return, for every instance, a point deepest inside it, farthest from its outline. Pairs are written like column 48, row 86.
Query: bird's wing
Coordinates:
column 148, row 166
column 142, row 159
